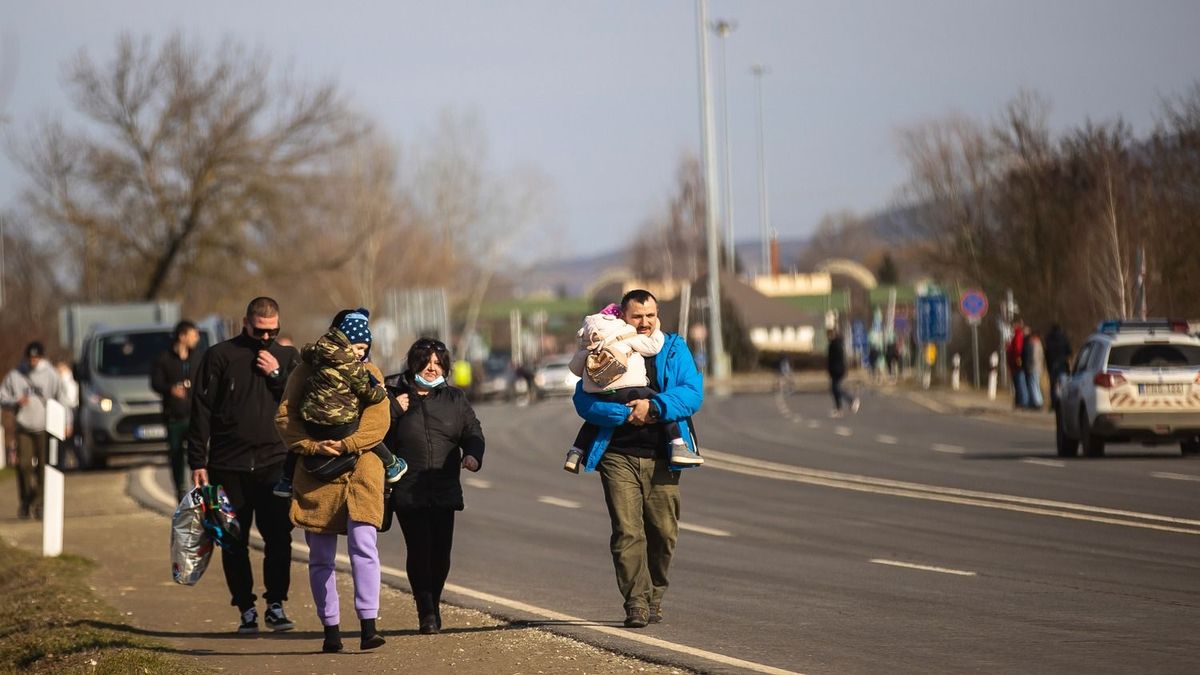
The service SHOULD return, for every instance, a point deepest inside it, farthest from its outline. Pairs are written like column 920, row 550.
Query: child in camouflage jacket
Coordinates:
column 338, row 389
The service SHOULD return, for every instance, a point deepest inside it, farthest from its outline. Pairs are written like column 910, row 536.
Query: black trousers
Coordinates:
column 250, row 495
column 429, row 536
column 325, row 432
column 835, row 387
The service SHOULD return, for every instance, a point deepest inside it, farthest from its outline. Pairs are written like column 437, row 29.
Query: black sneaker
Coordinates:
column 249, row 622
column 276, row 619
column 283, row 488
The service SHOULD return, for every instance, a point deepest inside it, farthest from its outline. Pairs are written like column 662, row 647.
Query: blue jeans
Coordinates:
column 1020, row 389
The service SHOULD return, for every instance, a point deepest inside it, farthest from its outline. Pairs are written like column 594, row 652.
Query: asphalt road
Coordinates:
column 894, row 541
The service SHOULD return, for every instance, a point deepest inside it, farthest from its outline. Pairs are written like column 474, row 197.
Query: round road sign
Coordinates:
column 973, row 304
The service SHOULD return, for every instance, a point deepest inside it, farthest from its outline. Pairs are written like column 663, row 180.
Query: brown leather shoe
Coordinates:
column 636, row 617
column 655, row 613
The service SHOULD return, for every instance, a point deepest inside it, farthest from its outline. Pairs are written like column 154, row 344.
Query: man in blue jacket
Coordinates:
column 641, row 488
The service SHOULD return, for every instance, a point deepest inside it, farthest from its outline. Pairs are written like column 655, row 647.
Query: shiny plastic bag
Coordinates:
column 204, row 518
column 191, row 544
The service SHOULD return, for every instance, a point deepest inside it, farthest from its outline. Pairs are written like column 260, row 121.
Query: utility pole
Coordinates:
column 717, row 357
column 723, row 27
column 764, row 214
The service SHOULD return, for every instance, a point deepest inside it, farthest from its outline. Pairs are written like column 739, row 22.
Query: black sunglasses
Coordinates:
column 270, row 332
column 430, row 342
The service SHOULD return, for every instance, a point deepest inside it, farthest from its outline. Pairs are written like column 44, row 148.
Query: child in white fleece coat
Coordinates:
column 608, row 329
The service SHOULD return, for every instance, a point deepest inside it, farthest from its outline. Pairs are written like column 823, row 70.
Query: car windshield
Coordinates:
column 1154, row 356
column 132, row 354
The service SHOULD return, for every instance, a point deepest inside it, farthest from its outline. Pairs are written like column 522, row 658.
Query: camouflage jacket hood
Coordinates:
column 339, row 385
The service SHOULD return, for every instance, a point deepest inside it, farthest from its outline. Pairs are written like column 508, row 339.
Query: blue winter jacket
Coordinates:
column 681, row 392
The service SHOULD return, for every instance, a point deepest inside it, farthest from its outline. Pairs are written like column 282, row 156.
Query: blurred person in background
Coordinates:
column 25, row 391
column 171, row 376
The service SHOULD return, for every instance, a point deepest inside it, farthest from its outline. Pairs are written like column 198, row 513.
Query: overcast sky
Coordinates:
column 602, row 97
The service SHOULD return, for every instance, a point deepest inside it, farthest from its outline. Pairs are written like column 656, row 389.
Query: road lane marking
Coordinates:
column 886, row 440
column 925, row 568
column 146, row 479
column 949, row 449
column 565, row 503
column 711, row 531
column 843, row 431
column 474, row 482
column 1174, row 476
column 1044, row 507
column 1058, row 464
column 814, row 424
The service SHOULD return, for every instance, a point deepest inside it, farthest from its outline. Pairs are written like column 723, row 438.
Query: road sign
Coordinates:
column 933, row 318
column 973, row 304
column 858, row 336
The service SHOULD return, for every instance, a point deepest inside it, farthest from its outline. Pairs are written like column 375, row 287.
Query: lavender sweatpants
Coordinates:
column 364, row 569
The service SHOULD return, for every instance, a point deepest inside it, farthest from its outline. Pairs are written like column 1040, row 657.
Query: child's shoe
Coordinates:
column 572, row 462
column 682, row 455
column 395, row 470
column 283, row 488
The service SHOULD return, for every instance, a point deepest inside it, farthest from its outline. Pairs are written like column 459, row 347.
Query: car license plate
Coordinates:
column 150, row 432
column 1162, row 389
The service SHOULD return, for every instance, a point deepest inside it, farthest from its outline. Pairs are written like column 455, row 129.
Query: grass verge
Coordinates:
column 50, row 621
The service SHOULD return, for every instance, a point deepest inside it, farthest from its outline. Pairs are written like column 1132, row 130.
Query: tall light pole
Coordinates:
column 764, row 214
column 717, row 359
column 723, row 27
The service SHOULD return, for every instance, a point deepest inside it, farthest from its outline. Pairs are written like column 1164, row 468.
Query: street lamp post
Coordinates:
column 723, row 27
column 717, row 357
column 764, row 213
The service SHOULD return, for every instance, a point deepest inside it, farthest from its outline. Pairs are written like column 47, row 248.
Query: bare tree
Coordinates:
column 191, row 166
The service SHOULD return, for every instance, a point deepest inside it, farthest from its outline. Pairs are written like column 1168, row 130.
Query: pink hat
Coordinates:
column 613, row 309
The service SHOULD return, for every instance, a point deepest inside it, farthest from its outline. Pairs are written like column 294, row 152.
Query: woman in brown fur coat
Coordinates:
column 351, row 505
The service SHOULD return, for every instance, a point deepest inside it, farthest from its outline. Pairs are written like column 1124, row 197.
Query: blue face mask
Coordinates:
column 430, row 385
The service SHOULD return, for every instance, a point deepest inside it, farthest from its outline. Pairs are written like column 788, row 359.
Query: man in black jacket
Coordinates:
column 233, row 443
column 171, row 376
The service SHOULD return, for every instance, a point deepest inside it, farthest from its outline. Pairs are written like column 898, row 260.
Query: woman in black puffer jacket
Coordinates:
column 434, row 429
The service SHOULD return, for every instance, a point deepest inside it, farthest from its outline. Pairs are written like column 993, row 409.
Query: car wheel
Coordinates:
column 1093, row 445
column 1066, row 446
column 1191, row 446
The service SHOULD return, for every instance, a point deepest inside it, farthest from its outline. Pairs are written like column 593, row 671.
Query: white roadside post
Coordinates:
column 53, row 483
column 995, row 361
column 955, row 362
column 3, row 448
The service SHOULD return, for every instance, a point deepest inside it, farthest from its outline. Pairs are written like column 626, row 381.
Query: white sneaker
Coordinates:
column 682, row 455
column 854, row 406
column 572, row 462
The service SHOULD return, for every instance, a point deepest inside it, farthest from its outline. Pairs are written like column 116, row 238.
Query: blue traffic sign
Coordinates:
column 933, row 319
column 973, row 304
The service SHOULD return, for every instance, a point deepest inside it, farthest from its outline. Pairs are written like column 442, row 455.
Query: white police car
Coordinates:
column 1132, row 381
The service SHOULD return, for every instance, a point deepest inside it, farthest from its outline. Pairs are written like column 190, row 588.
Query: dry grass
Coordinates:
column 51, row 622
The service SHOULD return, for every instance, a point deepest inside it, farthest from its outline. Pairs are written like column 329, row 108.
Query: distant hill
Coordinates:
column 894, row 228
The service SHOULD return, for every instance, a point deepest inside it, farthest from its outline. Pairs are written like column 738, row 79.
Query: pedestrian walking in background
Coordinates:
column 350, row 504
column 1058, row 360
column 71, row 444
column 171, row 376
column 1014, row 352
column 435, row 430
column 835, row 363
column 25, row 390
column 631, row 451
column 233, row 443
column 1032, row 358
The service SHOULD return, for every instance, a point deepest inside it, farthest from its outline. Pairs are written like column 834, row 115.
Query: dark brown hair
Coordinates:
column 421, row 350
column 262, row 307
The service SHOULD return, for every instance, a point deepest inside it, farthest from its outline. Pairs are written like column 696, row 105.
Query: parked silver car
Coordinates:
column 554, row 378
